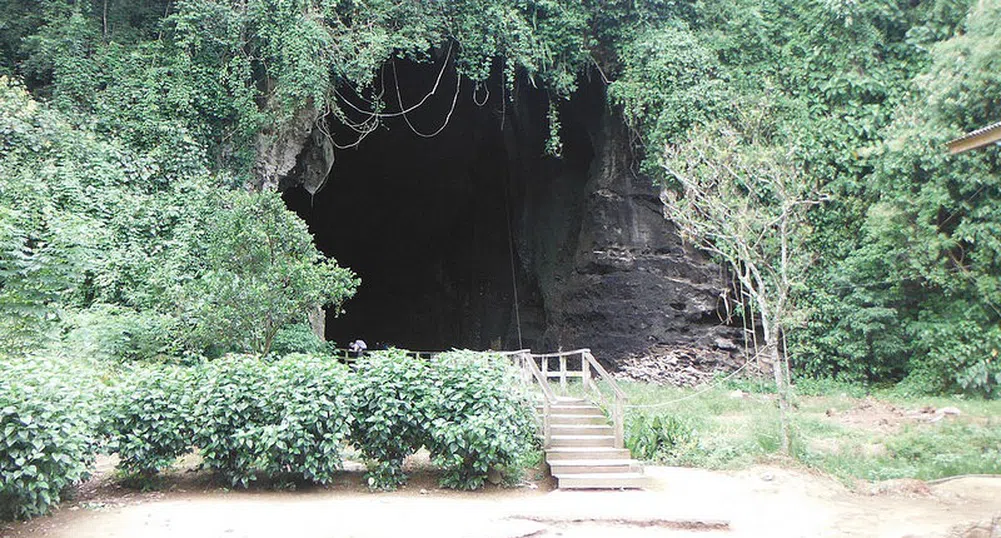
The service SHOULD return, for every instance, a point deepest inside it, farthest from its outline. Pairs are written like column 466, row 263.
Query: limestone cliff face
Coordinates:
column 613, row 273
column 443, row 231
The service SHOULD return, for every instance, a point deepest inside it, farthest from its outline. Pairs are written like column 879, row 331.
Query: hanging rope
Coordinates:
column 514, row 274
column 448, row 117
column 486, row 97
column 402, row 111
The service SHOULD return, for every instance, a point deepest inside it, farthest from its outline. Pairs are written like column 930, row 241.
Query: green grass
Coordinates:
column 715, row 430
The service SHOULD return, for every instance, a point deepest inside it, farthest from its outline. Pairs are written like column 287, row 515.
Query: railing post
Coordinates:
column 545, row 370
column 563, row 373
column 546, row 429
column 620, row 419
column 585, row 369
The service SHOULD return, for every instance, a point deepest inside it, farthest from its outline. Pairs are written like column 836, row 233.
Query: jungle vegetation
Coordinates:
column 126, row 124
column 130, row 137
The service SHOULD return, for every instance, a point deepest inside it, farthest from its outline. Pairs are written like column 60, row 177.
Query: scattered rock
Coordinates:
column 725, row 344
column 738, row 395
column 831, row 412
column 950, row 411
column 678, row 366
column 768, row 477
column 494, row 477
column 423, row 491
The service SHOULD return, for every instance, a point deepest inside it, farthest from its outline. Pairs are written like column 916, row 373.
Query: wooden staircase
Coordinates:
column 582, row 453
column 583, row 450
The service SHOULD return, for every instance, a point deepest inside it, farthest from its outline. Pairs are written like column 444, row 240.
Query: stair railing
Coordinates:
column 589, row 369
column 530, row 373
column 619, row 407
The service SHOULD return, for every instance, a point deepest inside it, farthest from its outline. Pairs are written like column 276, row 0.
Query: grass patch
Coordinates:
column 851, row 432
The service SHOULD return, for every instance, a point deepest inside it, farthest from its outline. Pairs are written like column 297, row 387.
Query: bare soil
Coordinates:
column 762, row 501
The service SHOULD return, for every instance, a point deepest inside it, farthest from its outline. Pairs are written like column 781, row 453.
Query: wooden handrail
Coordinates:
column 539, row 378
column 604, row 374
column 619, row 408
column 588, row 367
column 548, row 398
column 561, row 353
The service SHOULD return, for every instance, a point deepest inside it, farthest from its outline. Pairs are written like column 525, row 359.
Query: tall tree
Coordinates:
column 738, row 193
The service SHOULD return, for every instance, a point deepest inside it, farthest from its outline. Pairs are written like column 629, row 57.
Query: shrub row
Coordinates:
column 464, row 407
column 49, row 413
column 286, row 421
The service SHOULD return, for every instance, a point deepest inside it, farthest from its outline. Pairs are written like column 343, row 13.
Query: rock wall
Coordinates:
column 595, row 262
column 612, row 272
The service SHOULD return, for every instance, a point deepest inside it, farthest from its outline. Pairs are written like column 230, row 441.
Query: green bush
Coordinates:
column 122, row 334
column 480, row 420
column 314, row 420
column 667, row 439
column 388, row 402
column 285, row 420
column 298, row 338
column 149, row 419
column 48, row 431
column 259, row 272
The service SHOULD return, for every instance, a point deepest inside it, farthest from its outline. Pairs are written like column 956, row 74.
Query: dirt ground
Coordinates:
column 761, row 501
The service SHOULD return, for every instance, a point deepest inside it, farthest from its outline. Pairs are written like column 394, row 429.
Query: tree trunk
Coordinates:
column 781, row 387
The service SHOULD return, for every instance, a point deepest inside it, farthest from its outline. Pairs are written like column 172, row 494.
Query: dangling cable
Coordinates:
column 514, row 277
column 448, row 117
column 486, row 97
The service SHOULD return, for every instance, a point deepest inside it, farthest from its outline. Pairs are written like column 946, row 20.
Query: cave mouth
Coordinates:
column 429, row 224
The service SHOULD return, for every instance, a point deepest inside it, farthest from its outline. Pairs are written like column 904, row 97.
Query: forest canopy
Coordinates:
column 122, row 123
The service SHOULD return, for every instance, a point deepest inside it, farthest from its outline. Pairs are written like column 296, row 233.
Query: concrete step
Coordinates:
column 574, row 410
column 570, row 467
column 587, row 453
column 578, row 420
column 602, row 481
column 603, row 441
column 570, row 400
column 581, row 429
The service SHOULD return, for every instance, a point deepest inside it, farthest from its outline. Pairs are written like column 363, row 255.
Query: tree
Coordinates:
column 738, row 193
column 261, row 272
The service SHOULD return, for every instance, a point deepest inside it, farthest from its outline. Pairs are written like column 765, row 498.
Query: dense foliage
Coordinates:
column 479, row 422
column 149, row 419
column 49, row 411
column 130, row 264
column 285, row 420
column 465, row 407
column 140, row 116
column 390, row 416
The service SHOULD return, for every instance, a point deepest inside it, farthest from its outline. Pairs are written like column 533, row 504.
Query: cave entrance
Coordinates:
column 425, row 221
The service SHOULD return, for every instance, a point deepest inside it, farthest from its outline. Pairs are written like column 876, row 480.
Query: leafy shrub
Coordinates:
column 122, row 334
column 298, row 338
column 285, row 420
column 388, row 399
column 960, row 351
column 48, row 425
column 314, row 419
column 261, row 272
column 659, row 438
column 480, row 420
column 149, row 419
column 231, row 408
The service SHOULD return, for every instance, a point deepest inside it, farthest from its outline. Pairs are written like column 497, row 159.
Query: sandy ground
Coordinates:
column 762, row 501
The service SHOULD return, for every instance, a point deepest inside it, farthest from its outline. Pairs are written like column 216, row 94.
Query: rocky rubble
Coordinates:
column 678, row 366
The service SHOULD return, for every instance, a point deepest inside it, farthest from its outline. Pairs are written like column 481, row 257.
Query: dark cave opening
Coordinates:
column 434, row 226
